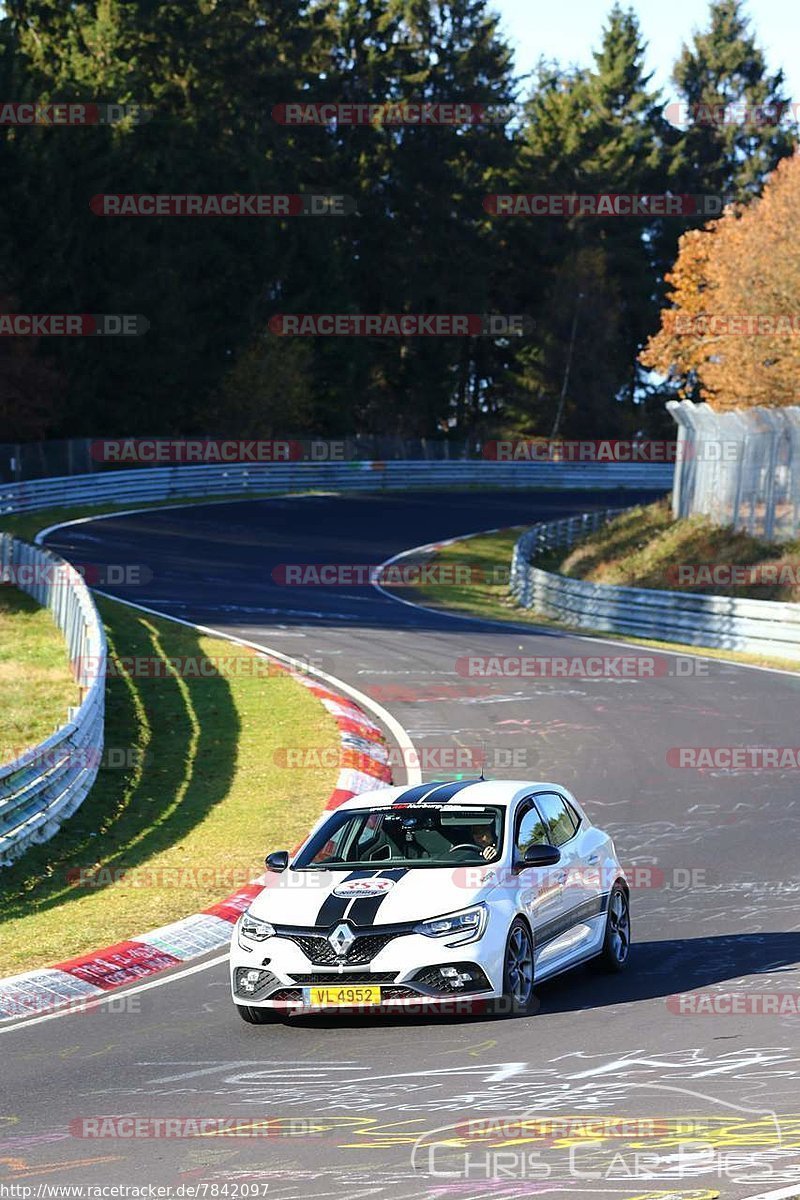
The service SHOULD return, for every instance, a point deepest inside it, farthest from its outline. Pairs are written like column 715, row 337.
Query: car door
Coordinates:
column 541, row 889
column 581, row 886
column 594, row 851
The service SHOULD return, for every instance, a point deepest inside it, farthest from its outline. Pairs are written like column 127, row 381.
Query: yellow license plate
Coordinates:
column 322, row 996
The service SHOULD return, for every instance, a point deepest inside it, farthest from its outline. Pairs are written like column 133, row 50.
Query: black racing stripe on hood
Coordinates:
column 333, row 907
column 435, row 792
column 446, row 791
column 365, row 909
column 412, row 795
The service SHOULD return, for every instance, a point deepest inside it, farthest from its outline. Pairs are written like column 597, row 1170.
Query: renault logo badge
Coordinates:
column 341, row 939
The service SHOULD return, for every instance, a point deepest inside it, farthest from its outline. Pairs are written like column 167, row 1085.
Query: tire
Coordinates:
column 257, row 1016
column 518, row 998
column 617, row 941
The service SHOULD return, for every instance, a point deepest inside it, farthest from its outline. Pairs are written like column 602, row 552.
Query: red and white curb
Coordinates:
column 79, row 981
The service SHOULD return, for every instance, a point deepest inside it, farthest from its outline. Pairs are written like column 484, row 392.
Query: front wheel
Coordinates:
column 518, row 998
column 257, row 1016
column 617, row 942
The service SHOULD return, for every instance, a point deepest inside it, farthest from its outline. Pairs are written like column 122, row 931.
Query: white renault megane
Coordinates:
column 433, row 895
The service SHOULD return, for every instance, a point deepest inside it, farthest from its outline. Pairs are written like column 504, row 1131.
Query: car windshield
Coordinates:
column 405, row 836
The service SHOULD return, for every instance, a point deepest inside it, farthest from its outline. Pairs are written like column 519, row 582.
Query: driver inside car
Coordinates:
column 484, row 838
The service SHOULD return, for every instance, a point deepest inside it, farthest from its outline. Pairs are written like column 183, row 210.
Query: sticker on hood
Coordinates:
column 353, row 888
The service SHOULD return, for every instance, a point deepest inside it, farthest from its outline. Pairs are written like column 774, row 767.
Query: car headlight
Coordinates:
column 466, row 926
column 251, row 929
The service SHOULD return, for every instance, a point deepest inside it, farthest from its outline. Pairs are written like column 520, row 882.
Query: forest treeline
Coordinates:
column 212, row 75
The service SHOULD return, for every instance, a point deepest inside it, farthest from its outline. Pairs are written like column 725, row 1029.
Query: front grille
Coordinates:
column 288, row 994
column 321, row 953
column 337, row 980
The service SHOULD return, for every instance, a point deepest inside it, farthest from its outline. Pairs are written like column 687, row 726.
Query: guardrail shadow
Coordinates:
column 176, row 738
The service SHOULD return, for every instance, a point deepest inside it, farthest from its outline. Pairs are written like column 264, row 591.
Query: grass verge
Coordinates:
column 36, row 684
column 485, row 594
column 645, row 548
column 187, row 802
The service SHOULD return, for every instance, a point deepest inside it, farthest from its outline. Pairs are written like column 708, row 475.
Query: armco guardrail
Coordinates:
column 722, row 622
column 48, row 782
column 147, row 484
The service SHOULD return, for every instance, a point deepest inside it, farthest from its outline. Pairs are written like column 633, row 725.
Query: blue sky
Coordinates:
column 569, row 30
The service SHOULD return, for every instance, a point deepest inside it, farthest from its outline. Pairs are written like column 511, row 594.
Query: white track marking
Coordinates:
column 410, row 755
column 511, row 625
column 398, row 732
column 789, row 1193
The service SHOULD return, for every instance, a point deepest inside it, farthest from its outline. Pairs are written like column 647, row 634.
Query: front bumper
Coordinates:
column 406, row 968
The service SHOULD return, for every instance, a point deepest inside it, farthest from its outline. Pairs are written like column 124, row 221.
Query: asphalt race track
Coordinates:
column 385, row 1101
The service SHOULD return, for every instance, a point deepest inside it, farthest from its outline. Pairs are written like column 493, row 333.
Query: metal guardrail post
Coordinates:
column 683, row 482
column 793, row 470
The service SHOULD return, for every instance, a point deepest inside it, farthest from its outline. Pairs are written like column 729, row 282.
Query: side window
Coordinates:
column 369, row 831
column 530, row 830
column 560, row 820
column 576, row 820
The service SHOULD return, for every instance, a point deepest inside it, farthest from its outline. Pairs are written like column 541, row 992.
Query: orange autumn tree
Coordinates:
column 734, row 324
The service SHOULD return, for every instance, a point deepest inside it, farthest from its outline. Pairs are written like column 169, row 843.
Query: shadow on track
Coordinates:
column 656, row 970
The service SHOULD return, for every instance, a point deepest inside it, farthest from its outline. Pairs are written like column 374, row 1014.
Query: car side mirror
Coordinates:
column 540, row 855
column 278, row 860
